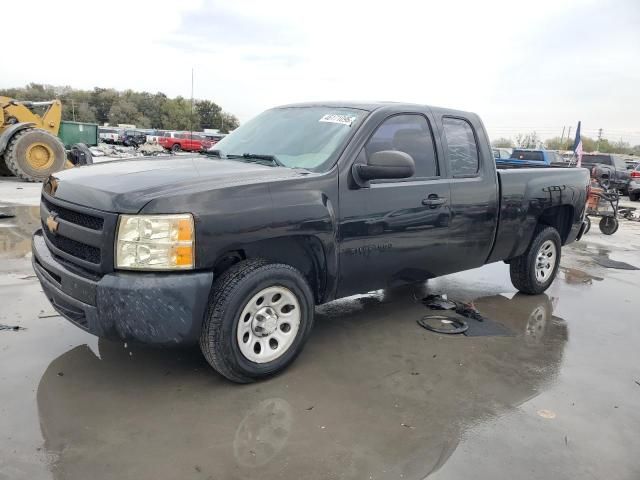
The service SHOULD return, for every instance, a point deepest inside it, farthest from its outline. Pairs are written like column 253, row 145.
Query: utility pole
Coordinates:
column 569, row 134
column 562, row 137
column 191, row 116
column 599, row 138
column 73, row 110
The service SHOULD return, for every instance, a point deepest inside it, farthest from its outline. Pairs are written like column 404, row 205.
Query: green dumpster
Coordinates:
column 77, row 132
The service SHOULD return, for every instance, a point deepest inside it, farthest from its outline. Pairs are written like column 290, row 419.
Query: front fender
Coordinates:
column 7, row 135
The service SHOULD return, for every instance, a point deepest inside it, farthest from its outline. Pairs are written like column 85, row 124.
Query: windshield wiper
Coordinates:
column 212, row 153
column 259, row 156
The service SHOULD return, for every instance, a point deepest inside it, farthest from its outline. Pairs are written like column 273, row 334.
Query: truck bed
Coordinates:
column 526, row 194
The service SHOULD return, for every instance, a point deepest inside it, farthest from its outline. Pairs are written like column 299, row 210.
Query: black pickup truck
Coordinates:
column 303, row 204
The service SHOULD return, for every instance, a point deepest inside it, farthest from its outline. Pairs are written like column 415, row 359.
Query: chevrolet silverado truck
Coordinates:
column 302, row 205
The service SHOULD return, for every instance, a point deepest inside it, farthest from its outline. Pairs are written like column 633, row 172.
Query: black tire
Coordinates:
column 80, row 155
column 634, row 197
column 176, row 147
column 229, row 295
column 608, row 225
column 16, row 155
column 588, row 227
column 4, row 170
column 522, row 268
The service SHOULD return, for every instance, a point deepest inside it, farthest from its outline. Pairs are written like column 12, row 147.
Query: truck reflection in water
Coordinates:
column 371, row 395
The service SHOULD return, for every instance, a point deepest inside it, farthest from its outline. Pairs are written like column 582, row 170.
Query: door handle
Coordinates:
column 433, row 201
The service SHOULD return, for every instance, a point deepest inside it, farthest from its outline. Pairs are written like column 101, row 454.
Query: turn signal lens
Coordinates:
column 155, row 242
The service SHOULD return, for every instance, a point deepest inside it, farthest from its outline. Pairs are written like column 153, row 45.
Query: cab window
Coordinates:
column 462, row 150
column 409, row 133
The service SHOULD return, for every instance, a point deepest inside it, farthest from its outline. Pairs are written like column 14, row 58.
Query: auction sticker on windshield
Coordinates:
column 338, row 118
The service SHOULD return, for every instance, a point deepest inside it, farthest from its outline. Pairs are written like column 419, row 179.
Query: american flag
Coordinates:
column 577, row 147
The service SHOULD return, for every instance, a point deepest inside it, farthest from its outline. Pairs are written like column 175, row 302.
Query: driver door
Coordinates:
column 395, row 231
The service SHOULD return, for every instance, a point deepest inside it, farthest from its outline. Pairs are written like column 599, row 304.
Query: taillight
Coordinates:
column 635, row 174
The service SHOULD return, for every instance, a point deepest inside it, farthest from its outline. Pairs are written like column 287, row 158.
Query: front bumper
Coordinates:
column 150, row 308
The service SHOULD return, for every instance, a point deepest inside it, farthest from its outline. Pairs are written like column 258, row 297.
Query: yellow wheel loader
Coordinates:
column 29, row 147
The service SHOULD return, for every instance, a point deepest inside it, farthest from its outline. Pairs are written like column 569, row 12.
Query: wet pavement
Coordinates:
column 372, row 396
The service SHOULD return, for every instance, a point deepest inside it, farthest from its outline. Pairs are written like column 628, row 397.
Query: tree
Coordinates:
column 143, row 109
column 588, row 144
column 228, row 122
column 528, row 140
column 502, row 143
column 102, row 99
column 125, row 111
column 557, row 143
column 209, row 114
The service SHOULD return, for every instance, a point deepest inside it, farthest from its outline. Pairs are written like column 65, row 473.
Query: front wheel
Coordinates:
column 534, row 270
column 258, row 319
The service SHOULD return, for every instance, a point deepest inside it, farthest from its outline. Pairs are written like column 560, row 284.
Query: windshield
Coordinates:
column 298, row 137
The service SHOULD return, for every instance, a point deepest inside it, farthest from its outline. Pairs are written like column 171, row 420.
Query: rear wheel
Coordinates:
column 33, row 154
column 633, row 196
column 176, row 147
column 258, row 319
column 534, row 270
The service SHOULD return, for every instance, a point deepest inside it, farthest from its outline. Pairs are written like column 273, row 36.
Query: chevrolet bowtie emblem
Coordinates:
column 52, row 186
column 52, row 224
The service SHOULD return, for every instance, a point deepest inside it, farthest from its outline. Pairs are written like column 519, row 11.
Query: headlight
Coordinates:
column 155, row 242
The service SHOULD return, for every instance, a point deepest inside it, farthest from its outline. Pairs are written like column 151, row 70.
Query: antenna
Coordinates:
column 191, row 116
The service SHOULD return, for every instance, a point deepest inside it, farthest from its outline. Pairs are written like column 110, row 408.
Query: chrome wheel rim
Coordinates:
column 545, row 261
column 268, row 324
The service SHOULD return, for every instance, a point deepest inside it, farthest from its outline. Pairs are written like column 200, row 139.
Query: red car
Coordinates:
column 190, row 142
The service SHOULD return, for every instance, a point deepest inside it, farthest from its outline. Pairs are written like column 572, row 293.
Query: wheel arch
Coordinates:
column 303, row 252
column 559, row 217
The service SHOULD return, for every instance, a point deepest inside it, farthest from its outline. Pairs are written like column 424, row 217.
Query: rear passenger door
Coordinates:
column 395, row 231
column 474, row 191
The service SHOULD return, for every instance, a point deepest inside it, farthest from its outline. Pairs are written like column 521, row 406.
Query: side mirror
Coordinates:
column 384, row 165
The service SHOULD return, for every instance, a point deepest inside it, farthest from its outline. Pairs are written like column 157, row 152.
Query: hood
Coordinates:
column 125, row 186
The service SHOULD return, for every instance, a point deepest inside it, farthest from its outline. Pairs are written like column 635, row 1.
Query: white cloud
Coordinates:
column 537, row 64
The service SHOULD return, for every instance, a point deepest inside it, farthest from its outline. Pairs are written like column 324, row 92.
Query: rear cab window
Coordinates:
column 531, row 155
column 462, row 148
column 593, row 159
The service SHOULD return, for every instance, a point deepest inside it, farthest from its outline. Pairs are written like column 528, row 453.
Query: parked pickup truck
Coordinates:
column 610, row 169
column 189, row 142
column 304, row 204
column 521, row 157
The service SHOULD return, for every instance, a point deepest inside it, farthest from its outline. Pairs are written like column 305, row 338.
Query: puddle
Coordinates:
column 367, row 377
column 575, row 276
column 15, row 233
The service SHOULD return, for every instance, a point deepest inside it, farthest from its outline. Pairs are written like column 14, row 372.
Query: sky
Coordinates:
column 540, row 64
